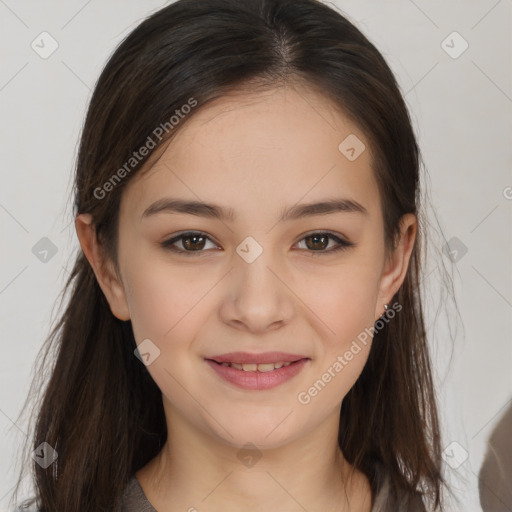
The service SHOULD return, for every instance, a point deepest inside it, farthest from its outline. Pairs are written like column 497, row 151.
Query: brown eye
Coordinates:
column 192, row 243
column 318, row 243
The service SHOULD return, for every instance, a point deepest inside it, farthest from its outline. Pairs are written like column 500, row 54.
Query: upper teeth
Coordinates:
column 253, row 367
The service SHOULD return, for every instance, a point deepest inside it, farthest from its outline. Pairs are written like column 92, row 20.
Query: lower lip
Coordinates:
column 258, row 380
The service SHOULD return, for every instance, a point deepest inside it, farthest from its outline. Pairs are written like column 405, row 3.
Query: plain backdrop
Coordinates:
column 458, row 89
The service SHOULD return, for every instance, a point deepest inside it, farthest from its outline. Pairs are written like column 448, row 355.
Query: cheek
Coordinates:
column 165, row 307
column 344, row 306
column 162, row 299
column 343, row 301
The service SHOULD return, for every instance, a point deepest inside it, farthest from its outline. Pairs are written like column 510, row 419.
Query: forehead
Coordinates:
column 254, row 150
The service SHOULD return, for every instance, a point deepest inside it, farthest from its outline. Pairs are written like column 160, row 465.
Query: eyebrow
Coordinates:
column 213, row 211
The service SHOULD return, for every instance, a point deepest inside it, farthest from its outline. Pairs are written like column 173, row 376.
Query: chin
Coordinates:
column 264, row 434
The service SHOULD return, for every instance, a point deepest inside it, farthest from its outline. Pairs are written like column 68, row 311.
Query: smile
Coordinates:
column 258, row 377
column 253, row 367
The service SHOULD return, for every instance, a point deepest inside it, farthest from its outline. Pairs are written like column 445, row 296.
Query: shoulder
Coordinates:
column 133, row 498
column 386, row 500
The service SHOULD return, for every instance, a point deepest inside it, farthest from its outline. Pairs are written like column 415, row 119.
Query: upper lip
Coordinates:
column 265, row 357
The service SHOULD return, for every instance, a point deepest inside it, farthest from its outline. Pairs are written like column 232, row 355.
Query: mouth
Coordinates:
column 257, row 371
column 253, row 367
column 246, row 358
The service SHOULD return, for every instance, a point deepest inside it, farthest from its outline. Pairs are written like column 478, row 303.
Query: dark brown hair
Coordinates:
column 98, row 407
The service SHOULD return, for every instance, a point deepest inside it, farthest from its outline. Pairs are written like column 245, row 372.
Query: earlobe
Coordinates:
column 107, row 278
column 397, row 264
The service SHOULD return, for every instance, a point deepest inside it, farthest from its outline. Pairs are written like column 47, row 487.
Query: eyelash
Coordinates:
column 343, row 244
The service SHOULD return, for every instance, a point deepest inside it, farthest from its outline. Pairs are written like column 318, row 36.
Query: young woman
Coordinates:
column 244, row 328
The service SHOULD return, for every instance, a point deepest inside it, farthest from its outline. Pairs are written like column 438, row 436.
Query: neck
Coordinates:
column 195, row 471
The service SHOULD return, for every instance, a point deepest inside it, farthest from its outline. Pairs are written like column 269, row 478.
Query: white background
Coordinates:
column 461, row 110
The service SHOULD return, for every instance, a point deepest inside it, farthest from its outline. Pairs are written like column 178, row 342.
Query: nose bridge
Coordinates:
column 252, row 269
column 258, row 296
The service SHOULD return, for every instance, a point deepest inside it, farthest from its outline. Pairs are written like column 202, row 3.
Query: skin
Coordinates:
column 256, row 153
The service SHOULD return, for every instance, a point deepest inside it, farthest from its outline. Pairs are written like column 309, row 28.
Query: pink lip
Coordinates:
column 266, row 357
column 258, row 380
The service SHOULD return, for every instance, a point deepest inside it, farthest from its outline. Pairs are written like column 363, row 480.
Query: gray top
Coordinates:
column 134, row 499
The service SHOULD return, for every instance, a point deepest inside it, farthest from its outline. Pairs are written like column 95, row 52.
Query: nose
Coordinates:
column 257, row 297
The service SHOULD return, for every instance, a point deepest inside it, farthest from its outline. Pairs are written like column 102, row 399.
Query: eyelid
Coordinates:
column 168, row 243
column 341, row 240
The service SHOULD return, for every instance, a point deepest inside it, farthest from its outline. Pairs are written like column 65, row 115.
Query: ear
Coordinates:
column 103, row 268
column 397, row 263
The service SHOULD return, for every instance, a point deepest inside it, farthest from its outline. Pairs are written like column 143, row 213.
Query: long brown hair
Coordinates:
column 95, row 403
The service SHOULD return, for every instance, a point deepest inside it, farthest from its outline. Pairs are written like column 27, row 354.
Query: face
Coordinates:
column 262, row 278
